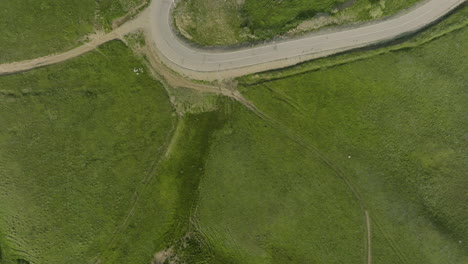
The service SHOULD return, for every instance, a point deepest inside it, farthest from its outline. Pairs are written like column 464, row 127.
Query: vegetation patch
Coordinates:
column 97, row 166
column 163, row 215
column 79, row 144
column 455, row 21
column 113, row 13
column 265, row 198
column 210, row 22
column 230, row 22
column 32, row 28
column 273, row 190
column 395, row 124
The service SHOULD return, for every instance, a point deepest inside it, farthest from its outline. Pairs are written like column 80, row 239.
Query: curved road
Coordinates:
column 207, row 64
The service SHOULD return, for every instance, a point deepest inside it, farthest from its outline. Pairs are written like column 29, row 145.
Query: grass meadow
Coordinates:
column 96, row 166
column 211, row 22
column 33, row 29
column 162, row 219
column 267, row 19
column 78, row 141
column 392, row 122
column 265, row 198
column 396, row 125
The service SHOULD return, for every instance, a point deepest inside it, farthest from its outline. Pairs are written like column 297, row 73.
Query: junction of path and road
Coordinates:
column 210, row 64
column 229, row 63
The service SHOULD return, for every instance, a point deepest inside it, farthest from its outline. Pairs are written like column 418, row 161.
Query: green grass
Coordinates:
column 269, row 18
column 36, row 28
column 33, row 29
column 455, row 21
column 234, row 22
column 396, row 125
column 96, row 166
column 78, row 140
column 108, row 10
column 267, row 199
column 164, row 217
column 210, row 22
column 392, row 122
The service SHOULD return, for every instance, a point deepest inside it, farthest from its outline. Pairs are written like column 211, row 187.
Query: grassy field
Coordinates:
column 210, row 22
column 398, row 132
column 270, row 192
column 97, row 167
column 265, row 198
column 164, row 218
column 78, row 142
column 32, row 29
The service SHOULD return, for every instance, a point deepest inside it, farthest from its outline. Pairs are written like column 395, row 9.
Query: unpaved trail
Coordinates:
column 142, row 188
column 119, row 33
column 168, row 54
column 16, row 67
column 369, row 238
column 121, row 20
column 310, row 148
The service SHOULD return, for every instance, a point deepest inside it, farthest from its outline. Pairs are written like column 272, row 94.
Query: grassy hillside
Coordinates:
column 36, row 28
column 96, row 167
column 277, row 186
column 210, row 22
column 396, row 125
column 79, row 142
column 163, row 218
column 265, row 198
column 32, row 28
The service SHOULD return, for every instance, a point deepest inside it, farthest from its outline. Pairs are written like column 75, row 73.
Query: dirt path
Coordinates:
column 167, row 54
column 16, row 67
column 119, row 33
column 141, row 189
column 121, row 20
column 321, row 156
column 206, row 64
column 369, row 238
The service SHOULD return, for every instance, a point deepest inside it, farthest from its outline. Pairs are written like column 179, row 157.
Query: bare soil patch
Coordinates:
column 166, row 256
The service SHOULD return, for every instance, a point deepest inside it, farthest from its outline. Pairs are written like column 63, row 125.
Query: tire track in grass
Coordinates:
column 403, row 259
column 357, row 194
column 369, row 239
column 144, row 184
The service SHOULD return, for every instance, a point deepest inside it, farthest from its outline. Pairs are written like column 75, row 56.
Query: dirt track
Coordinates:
column 26, row 65
column 206, row 64
column 166, row 49
column 369, row 238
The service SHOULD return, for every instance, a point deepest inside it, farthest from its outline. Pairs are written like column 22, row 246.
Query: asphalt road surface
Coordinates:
column 213, row 64
column 206, row 64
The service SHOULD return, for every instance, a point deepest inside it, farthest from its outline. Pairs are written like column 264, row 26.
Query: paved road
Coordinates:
column 209, row 65
column 206, row 64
